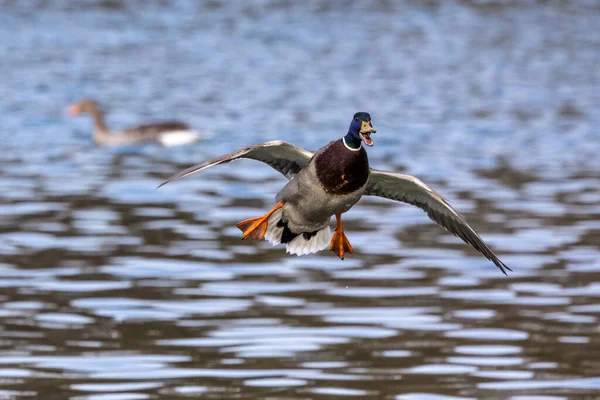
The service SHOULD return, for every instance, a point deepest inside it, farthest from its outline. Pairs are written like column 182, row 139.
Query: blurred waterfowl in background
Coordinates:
column 329, row 182
column 171, row 133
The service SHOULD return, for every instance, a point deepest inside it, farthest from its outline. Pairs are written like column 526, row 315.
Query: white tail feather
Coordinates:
column 298, row 245
column 274, row 232
column 177, row 138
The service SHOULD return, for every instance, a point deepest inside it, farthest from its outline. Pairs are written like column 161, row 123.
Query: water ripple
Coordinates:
column 112, row 289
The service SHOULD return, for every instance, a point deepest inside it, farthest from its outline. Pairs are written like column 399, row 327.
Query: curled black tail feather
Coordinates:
column 287, row 235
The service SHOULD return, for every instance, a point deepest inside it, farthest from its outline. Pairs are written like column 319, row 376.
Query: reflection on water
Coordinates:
column 113, row 290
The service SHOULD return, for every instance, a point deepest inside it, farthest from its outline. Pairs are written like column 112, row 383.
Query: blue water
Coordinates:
column 114, row 290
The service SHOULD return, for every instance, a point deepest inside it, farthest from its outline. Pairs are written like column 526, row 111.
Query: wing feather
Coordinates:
column 281, row 156
column 408, row 189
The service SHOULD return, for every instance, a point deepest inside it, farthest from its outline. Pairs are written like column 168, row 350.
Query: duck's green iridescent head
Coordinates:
column 360, row 130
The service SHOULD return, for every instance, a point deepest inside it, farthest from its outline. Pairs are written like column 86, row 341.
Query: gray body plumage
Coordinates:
column 307, row 207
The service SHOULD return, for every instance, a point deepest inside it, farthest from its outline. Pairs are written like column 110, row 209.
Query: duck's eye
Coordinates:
column 356, row 119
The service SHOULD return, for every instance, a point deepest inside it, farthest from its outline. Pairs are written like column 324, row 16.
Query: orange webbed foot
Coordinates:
column 340, row 245
column 339, row 242
column 256, row 228
column 253, row 228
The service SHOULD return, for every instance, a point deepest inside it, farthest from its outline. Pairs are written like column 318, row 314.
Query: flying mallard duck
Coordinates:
column 165, row 133
column 329, row 182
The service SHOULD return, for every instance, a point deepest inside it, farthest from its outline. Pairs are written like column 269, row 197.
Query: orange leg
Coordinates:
column 255, row 228
column 339, row 242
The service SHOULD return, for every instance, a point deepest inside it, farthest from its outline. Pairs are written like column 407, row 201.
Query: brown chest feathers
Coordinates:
column 340, row 170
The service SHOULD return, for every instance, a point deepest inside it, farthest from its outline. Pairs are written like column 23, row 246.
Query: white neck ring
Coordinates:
column 348, row 147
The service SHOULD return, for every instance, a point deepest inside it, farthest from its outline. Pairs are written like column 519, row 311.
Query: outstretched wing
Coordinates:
column 408, row 189
column 282, row 156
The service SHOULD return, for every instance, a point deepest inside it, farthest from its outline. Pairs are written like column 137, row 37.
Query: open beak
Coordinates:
column 365, row 133
column 73, row 110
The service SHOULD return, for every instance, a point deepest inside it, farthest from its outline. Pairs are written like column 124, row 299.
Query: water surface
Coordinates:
column 113, row 290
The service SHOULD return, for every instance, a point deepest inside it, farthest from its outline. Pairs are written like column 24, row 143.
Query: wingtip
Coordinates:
column 503, row 267
column 172, row 178
column 164, row 183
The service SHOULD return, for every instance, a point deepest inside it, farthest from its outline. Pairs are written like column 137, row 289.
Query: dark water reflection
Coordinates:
column 113, row 290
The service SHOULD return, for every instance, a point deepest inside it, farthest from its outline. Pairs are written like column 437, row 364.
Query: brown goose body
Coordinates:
column 166, row 133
